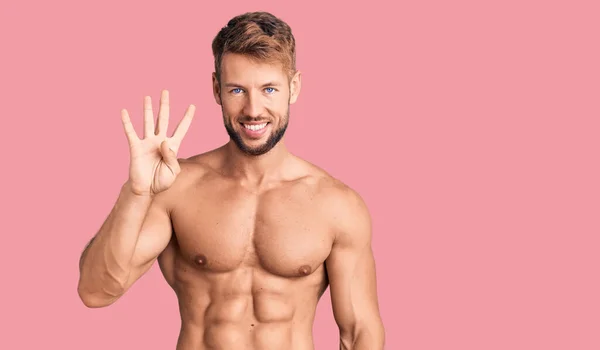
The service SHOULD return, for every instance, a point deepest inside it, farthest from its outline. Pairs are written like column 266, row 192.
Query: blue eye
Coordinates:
column 236, row 90
column 271, row 90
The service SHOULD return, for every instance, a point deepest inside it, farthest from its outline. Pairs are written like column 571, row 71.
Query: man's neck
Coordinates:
column 255, row 170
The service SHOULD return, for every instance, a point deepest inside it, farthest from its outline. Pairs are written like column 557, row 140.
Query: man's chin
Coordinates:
column 254, row 149
column 255, row 146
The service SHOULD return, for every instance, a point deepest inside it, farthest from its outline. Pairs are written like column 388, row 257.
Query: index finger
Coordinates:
column 184, row 124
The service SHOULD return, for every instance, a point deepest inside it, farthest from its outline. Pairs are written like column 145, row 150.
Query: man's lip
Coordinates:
column 255, row 134
column 254, row 123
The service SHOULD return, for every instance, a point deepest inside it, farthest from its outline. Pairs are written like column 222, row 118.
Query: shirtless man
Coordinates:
column 248, row 235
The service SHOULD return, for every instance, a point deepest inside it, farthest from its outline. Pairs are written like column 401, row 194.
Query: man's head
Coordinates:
column 255, row 79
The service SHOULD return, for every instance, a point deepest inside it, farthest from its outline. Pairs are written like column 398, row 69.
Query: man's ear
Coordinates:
column 216, row 88
column 295, row 85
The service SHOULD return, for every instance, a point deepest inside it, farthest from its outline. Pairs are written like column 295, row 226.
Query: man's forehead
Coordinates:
column 236, row 66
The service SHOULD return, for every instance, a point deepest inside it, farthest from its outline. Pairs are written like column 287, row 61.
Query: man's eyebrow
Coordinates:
column 270, row 83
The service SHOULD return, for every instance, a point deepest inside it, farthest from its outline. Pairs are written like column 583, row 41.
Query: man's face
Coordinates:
column 255, row 99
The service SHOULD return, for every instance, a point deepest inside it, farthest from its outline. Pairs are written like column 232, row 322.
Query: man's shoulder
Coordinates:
column 346, row 210
column 195, row 169
column 199, row 166
column 336, row 196
column 332, row 187
column 200, row 161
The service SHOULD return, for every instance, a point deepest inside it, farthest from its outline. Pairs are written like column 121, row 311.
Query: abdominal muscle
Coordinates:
column 246, row 308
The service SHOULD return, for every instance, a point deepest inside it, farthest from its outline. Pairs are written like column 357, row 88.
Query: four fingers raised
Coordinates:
column 162, row 124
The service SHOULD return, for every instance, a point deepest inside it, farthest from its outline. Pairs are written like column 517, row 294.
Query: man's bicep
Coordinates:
column 352, row 275
column 353, row 286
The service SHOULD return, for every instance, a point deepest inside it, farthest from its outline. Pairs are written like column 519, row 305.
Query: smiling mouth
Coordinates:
column 255, row 127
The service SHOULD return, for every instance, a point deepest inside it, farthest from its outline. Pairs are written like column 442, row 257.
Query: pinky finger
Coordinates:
column 129, row 130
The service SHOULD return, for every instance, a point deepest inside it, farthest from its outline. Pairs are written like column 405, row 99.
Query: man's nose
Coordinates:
column 253, row 107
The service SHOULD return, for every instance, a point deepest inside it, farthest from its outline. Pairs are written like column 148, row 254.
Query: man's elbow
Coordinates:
column 364, row 335
column 95, row 300
column 379, row 330
column 371, row 336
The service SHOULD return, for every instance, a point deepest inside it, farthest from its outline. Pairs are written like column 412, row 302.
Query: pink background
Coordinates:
column 470, row 128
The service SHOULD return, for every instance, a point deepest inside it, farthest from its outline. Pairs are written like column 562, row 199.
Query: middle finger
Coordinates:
column 163, row 114
column 148, row 117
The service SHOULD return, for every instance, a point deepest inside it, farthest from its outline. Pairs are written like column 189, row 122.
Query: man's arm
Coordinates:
column 353, row 284
column 138, row 227
column 136, row 231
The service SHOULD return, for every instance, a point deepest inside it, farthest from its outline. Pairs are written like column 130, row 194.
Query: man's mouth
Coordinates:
column 255, row 127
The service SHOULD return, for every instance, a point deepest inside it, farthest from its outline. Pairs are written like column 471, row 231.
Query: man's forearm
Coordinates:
column 105, row 262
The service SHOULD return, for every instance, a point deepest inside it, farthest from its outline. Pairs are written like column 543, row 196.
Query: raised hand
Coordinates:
column 153, row 163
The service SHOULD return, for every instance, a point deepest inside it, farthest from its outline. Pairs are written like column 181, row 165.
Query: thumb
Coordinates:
column 169, row 157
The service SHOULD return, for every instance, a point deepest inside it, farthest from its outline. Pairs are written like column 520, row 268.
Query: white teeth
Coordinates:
column 255, row 127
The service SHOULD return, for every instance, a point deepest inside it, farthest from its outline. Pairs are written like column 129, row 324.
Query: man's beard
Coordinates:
column 274, row 138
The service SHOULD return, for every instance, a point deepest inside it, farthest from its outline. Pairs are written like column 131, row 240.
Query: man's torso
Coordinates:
column 247, row 264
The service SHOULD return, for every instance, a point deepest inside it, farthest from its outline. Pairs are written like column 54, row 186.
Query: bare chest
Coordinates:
column 282, row 232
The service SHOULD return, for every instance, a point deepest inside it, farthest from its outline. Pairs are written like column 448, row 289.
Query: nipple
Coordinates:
column 305, row 270
column 200, row 260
